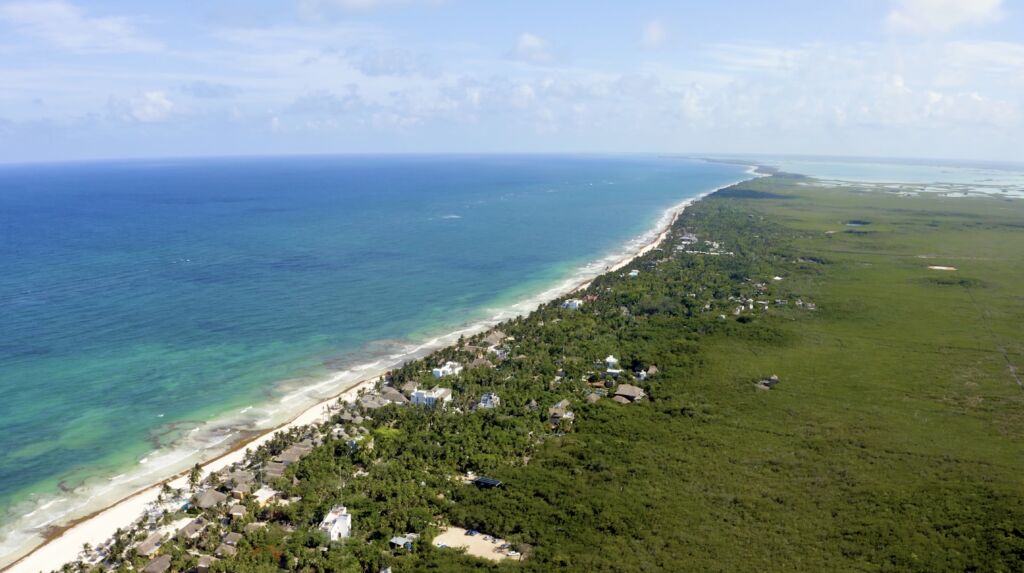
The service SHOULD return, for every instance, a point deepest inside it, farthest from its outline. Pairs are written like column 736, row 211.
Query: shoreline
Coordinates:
column 61, row 544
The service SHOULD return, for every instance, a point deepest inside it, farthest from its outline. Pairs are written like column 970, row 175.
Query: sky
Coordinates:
column 895, row 78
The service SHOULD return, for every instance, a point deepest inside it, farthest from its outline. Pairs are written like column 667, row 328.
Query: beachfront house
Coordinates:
column 494, row 338
column 150, row 545
column 634, row 273
column 393, row 395
column 337, row 524
column 449, row 369
column 209, row 498
column 572, row 304
column 433, row 397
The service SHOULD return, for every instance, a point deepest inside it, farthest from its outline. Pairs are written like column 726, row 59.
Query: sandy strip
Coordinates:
column 97, row 528
column 474, row 545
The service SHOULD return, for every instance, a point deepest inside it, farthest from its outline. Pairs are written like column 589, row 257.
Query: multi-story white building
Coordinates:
column 432, row 397
column 337, row 524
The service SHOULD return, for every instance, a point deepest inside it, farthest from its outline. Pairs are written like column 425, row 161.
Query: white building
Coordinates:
column 572, row 304
column 337, row 524
column 449, row 369
column 634, row 273
column 611, row 362
column 432, row 397
column 489, row 400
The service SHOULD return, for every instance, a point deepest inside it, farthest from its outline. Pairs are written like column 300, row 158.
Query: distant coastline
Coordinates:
column 98, row 525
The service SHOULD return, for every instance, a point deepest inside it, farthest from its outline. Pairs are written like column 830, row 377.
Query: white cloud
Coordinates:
column 533, row 49
column 938, row 16
column 317, row 9
column 755, row 58
column 151, row 107
column 66, row 26
column 653, row 35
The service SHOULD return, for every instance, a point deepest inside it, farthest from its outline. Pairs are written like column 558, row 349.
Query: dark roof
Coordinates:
column 486, row 482
column 193, row 528
column 629, row 391
column 150, row 545
column 158, row 565
column 210, row 498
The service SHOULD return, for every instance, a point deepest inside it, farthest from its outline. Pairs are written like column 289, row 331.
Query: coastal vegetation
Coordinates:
column 815, row 397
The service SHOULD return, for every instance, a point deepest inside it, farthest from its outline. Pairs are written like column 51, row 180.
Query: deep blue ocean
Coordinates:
column 140, row 299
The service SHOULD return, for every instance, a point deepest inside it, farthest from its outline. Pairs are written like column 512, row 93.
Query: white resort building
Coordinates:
column 432, row 397
column 337, row 524
column 449, row 369
column 572, row 304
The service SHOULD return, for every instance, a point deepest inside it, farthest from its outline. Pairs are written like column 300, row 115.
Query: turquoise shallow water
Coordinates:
column 1005, row 177
column 138, row 299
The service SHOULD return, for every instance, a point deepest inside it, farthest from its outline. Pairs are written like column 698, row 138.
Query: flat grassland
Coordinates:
column 894, row 441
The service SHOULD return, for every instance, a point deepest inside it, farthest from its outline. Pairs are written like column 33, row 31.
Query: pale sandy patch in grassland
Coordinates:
column 474, row 545
column 941, row 268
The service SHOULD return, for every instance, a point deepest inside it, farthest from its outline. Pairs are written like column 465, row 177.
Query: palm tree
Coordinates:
column 194, row 476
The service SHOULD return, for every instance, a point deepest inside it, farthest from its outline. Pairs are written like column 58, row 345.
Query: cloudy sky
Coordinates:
column 909, row 78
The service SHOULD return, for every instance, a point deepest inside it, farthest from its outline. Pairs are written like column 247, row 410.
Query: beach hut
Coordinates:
column 204, row 564
column 158, row 565
column 409, row 387
column 150, row 545
column 192, row 530
column 237, row 511
column 209, row 498
column 630, row 392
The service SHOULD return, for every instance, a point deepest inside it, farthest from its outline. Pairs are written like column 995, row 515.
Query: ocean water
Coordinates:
column 991, row 178
column 152, row 312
